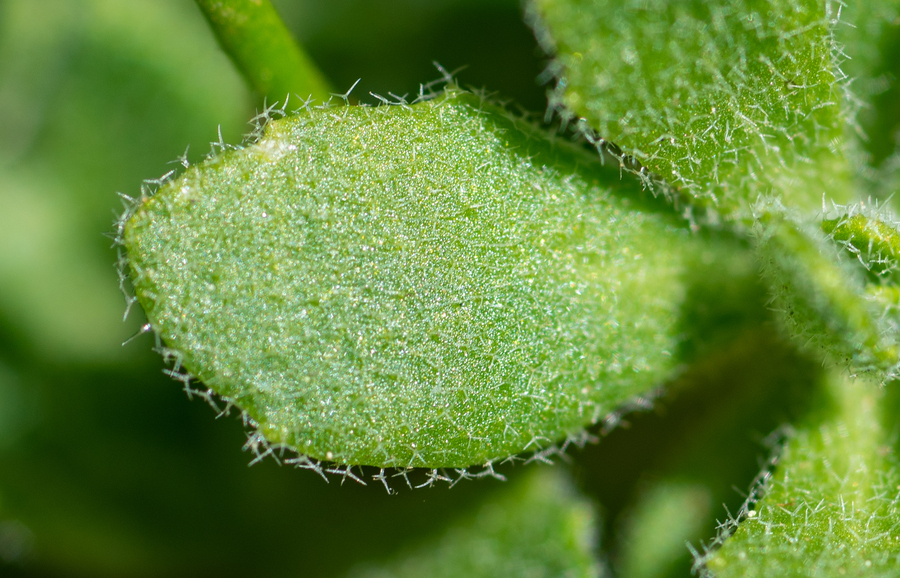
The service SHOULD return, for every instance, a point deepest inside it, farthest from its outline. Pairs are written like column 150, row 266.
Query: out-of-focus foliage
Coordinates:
column 392, row 45
column 541, row 528
column 81, row 120
column 871, row 48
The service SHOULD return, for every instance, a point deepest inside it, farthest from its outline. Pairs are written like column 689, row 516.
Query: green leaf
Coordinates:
column 874, row 241
column 726, row 100
column 743, row 102
column 822, row 298
column 832, row 507
column 540, row 528
column 430, row 285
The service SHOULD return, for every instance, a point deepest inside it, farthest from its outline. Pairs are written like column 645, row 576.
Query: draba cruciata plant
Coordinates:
column 439, row 283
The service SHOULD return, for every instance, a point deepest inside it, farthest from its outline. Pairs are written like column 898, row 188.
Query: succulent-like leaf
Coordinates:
column 540, row 528
column 429, row 285
column 832, row 506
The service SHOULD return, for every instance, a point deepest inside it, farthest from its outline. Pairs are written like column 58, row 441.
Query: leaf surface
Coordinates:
column 435, row 285
column 741, row 104
column 832, row 506
column 821, row 296
column 726, row 100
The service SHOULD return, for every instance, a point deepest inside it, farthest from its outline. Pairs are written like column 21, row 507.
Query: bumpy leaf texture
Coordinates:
column 822, row 299
column 429, row 285
column 725, row 100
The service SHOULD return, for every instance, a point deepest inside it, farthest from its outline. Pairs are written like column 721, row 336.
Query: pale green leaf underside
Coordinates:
column 725, row 100
column 832, row 507
column 415, row 286
column 539, row 529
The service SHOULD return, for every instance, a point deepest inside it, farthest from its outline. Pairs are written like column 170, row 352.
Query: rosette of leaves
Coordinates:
column 439, row 283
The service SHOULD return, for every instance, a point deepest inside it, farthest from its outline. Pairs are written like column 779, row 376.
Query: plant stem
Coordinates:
column 252, row 33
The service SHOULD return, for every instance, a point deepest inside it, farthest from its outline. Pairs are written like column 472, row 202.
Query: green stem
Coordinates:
column 256, row 39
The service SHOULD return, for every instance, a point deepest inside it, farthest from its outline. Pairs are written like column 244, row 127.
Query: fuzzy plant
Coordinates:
column 436, row 285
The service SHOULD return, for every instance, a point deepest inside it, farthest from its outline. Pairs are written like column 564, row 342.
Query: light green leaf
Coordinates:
column 726, row 100
column 832, row 507
column 430, row 285
column 541, row 528
column 743, row 102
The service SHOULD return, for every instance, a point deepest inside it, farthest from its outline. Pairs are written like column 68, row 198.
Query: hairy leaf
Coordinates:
column 832, row 507
column 726, row 100
column 541, row 528
column 429, row 285
column 742, row 101
column 822, row 299
column 875, row 242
